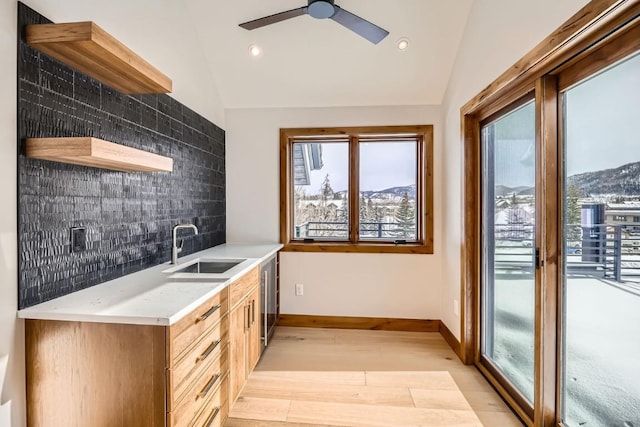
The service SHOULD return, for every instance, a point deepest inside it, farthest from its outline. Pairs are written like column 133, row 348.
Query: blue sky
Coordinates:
column 601, row 119
column 381, row 166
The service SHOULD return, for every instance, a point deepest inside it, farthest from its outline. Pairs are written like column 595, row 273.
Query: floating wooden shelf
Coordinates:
column 93, row 51
column 97, row 153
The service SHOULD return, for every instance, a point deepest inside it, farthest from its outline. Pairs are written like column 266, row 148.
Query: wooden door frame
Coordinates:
column 582, row 33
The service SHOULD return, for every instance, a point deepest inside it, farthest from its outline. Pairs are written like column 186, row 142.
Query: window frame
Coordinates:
column 355, row 135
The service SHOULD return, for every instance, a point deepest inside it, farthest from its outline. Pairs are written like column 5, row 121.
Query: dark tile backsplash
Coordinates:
column 128, row 216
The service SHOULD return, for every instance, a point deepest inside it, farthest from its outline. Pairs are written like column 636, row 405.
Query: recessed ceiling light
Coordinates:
column 403, row 44
column 255, row 51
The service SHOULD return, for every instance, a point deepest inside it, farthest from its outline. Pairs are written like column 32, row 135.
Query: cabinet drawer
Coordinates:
column 208, row 384
column 241, row 287
column 215, row 411
column 196, row 361
column 188, row 330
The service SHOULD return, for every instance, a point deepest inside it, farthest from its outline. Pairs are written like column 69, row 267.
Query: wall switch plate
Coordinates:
column 456, row 307
column 78, row 239
column 299, row 289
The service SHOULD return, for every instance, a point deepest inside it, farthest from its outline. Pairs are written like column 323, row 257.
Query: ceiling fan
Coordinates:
column 323, row 9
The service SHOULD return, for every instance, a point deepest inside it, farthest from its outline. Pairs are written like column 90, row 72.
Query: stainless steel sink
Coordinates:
column 208, row 268
column 215, row 267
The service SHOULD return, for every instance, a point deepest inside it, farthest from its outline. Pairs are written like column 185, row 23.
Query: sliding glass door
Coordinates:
column 508, row 247
column 552, row 230
column 601, row 248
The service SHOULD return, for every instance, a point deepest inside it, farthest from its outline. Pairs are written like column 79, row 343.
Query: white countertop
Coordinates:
column 150, row 297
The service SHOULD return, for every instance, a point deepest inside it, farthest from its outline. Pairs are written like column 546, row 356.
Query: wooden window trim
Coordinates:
column 424, row 189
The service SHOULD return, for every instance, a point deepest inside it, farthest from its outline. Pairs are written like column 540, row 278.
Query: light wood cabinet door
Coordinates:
column 254, row 346
column 89, row 374
column 237, row 351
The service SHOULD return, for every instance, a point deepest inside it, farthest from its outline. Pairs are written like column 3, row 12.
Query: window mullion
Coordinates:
column 354, row 191
column 420, row 188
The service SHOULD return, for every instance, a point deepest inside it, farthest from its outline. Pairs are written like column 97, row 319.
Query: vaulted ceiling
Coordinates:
column 318, row 63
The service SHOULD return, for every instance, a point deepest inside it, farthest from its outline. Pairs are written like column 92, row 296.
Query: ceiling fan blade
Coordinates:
column 360, row 26
column 272, row 19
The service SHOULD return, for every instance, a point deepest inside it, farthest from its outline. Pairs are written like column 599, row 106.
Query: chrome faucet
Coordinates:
column 175, row 249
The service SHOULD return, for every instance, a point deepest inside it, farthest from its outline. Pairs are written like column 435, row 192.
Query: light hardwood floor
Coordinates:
column 318, row 377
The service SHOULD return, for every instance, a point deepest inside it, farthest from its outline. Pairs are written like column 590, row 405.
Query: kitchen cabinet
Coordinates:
column 106, row 374
column 244, row 330
column 146, row 349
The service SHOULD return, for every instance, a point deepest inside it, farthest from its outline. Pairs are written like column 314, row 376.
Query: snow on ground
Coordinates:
column 602, row 348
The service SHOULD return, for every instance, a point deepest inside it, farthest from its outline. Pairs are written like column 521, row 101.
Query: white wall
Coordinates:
column 400, row 286
column 11, row 331
column 158, row 30
column 498, row 33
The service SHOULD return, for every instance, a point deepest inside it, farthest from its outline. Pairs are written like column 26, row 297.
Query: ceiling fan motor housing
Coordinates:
column 321, row 9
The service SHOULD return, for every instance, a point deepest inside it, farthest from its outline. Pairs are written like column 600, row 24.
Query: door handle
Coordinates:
column 212, row 310
column 210, row 384
column 266, row 307
column 247, row 315
column 208, row 351
column 539, row 262
column 253, row 311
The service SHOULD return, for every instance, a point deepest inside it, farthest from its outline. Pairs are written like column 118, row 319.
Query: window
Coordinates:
column 619, row 218
column 357, row 189
column 636, row 219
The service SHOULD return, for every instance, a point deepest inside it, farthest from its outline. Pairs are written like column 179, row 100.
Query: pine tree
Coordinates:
column 378, row 213
column 326, row 192
column 515, row 219
column 371, row 211
column 405, row 217
column 362, row 205
column 325, row 212
column 343, row 212
column 573, row 213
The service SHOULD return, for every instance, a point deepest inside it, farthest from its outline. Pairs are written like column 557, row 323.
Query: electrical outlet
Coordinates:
column 456, row 307
column 78, row 239
column 299, row 289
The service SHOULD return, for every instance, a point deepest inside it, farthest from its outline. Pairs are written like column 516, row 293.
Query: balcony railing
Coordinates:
column 368, row 230
column 610, row 251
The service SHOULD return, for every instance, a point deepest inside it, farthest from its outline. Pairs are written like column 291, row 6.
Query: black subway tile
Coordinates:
column 128, row 216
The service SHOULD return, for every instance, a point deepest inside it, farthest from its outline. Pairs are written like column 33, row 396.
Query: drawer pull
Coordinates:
column 208, row 351
column 208, row 313
column 247, row 316
column 209, row 385
column 212, row 417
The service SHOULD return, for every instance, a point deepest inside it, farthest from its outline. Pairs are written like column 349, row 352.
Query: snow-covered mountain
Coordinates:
column 389, row 193
column 503, row 190
column 623, row 181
